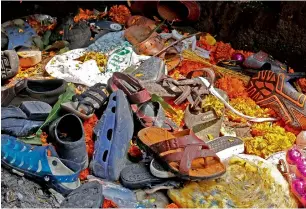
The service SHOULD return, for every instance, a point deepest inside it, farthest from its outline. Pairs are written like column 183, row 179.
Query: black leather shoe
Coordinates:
column 33, row 90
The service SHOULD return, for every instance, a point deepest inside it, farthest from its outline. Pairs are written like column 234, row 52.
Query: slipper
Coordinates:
column 138, row 176
column 84, row 105
column 152, row 114
column 204, row 124
column 184, row 154
column 89, row 195
column 272, row 90
column 155, row 200
column 134, row 91
column 145, row 40
column 224, row 147
column 113, row 132
column 156, row 72
column 40, row 163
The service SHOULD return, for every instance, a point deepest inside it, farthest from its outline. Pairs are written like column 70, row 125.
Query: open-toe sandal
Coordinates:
column 131, row 86
column 85, row 104
column 182, row 153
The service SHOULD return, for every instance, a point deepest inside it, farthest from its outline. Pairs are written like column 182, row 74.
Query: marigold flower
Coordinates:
column 234, row 87
column 88, row 129
column 119, row 14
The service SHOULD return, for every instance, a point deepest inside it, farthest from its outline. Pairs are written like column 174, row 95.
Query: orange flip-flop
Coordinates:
column 183, row 153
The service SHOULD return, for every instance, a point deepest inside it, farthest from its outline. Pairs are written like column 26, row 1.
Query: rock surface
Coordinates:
column 17, row 191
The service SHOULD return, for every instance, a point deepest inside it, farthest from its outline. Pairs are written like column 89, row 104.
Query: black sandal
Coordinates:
column 85, row 104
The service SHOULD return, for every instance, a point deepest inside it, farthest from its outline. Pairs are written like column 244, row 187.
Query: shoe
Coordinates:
column 41, row 163
column 85, row 104
column 33, row 90
column 4, row 41
column 9, row 64
column 24, row 121
column 88, row 195
column 78, row 36
column 272, row 90
column 68, row 135
column 113, row 131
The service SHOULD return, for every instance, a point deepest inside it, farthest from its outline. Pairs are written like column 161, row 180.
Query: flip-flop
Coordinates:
column 85, row 104
column 106, row 25
column 114, row 132
column 138, row 176
column 131, row 86
column 225, row 147
column 182, row 153
column 140, row 20
column 40, row 163
column 156, row 72
column 272, row 90
column 89, row 195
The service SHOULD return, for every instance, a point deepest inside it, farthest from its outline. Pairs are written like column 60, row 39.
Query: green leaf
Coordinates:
column 65, row 97
column 164, row 104
column 46, row 37
column 54, row 114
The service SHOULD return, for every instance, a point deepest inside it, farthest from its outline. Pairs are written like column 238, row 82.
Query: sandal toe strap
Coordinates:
column 186, row 157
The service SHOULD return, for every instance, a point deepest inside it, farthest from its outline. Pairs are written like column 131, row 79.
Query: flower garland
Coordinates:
column 233, row 86
column 119, row 14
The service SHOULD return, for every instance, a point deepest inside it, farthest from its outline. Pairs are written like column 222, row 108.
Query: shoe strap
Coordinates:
column 21, row 85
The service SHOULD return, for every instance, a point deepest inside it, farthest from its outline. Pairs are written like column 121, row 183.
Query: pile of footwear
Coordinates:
column 135, row 113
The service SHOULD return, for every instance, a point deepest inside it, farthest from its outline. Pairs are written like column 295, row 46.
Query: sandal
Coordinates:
column 40, row 163
column 144, row 40
column 141, row 20
column 134, row 91
column 184, row 154
column 224, row 147
column 113, row 132
column 180, row 90
column 85, row 104
column 269, row 89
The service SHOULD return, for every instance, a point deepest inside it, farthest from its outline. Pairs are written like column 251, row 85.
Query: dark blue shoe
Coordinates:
column 16, row 123
column 68, row 135
column 40, row 163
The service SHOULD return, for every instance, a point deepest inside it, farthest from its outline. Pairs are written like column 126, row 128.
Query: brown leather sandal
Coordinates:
column 144, row 40
column 182, row 153
column 182, row 90
column 141, row 20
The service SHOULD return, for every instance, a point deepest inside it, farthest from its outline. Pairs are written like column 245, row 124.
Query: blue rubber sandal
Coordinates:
column 114, row 132
column 40, row 163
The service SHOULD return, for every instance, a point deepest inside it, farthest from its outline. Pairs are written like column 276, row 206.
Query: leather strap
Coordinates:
column 175, row 143
column 21, row 85
column 137, row 95
column 186, row 157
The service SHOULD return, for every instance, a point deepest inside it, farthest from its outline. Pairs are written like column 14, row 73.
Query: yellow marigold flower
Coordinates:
column 211, row 102
column 248, row 107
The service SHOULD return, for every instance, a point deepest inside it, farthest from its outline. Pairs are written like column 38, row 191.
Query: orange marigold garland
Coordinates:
column 187, row 66
column 88, row 15
column 172, row 205
column 84, row 174
column 119, row 14
column 109, row 204
column 88, row 129
column 234, row 87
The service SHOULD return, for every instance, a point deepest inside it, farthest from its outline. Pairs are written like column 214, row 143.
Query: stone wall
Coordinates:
column 278, row 28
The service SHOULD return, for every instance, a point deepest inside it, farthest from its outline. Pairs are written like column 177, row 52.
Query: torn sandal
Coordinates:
column 182, row 153
column 85, row 104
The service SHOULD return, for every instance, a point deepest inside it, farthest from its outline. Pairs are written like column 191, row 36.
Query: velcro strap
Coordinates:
column 21, row 85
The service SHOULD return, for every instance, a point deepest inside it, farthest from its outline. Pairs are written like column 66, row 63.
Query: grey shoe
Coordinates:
column 68, row 135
